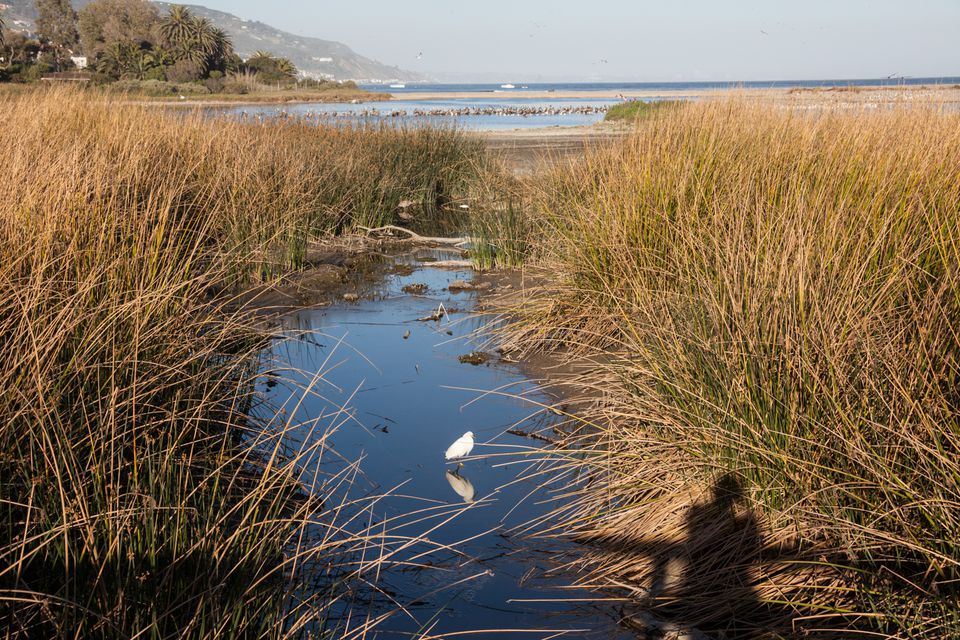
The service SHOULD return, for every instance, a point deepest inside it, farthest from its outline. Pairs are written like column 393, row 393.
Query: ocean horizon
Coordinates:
column 482, row 87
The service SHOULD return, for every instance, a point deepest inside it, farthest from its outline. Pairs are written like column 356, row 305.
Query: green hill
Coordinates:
column 313, row 56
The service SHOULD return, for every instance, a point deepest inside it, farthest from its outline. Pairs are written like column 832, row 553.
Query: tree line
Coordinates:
column 132, row 40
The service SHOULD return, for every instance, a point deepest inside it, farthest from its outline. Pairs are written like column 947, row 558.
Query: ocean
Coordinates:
column 660, row 86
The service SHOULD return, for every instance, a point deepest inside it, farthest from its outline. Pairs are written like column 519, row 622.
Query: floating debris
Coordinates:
column 401, row 269
column 476, row 358
column 416, row 289
column 463, row 285
column 437, row 316
column 406, row 336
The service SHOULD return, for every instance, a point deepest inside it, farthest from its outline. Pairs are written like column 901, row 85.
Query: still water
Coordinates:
column 408, row 398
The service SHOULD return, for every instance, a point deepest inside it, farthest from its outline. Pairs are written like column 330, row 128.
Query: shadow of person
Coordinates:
column 704, row 566
column 708, row 579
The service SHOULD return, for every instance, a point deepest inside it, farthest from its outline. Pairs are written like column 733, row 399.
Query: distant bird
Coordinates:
column 461, row 486
column 603, row 61
column 420, row 56
column 764, row 32
column 461, row 448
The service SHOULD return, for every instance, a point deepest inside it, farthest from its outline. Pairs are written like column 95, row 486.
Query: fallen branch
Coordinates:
column 532, row 436
column 437, row 316
column 416, row 237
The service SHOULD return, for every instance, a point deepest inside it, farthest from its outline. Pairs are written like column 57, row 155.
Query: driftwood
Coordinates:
column 437, row 316
column 416, row 237
column 532, row 436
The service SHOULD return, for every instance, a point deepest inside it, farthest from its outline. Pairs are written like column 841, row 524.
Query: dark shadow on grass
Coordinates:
column 714, row 580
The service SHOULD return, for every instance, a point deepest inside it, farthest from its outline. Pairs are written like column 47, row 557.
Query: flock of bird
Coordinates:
column 522, row 111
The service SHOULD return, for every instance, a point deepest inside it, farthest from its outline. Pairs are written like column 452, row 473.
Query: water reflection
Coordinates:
column 461, row 486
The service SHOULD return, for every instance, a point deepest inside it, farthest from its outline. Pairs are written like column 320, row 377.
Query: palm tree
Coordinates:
column 117, row 59
column 177, row 26
column 160, row 57
column 223, row 44
column 274, row 67
column 286, row 67
column 203, row 35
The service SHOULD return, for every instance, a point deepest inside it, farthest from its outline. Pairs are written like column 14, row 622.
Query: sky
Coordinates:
column 638, row 40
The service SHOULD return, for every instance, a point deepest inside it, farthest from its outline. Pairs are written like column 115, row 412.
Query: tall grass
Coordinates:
column 777, row 296
column 633, row 110
column 143, row 490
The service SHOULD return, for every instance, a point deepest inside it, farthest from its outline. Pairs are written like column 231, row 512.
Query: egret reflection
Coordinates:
column 462, row 486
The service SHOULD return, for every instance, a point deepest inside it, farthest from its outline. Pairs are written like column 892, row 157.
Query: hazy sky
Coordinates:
column 643, row 40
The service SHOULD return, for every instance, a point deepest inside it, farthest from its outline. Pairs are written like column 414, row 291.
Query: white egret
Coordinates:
column 461, row 448
column 461, row 486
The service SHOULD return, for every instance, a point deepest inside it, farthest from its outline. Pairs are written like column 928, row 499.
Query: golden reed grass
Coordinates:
column 144, row 492
column 775, row 295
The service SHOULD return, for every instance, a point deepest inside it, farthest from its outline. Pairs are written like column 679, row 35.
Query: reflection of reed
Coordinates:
column 461, row 486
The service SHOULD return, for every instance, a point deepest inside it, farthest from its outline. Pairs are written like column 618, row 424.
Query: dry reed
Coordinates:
column 143, row 490
column 776, row 298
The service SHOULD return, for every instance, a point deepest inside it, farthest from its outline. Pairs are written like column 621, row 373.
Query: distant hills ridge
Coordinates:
column 314, row 57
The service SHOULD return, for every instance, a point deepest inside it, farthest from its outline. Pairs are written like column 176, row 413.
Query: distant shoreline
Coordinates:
column 907, row 90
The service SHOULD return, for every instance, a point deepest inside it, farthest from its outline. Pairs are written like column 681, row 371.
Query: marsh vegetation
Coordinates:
column 774, row 296
column 767, row 299
column 142, row 492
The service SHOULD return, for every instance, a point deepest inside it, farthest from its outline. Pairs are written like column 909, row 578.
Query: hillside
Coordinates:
column 313, row 56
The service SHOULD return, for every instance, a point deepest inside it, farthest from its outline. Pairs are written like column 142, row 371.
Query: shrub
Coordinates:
column 191, row 89
column 33, row 73
column 184, row 71
column 152, row 88
column 157, row 73
column 214, row 85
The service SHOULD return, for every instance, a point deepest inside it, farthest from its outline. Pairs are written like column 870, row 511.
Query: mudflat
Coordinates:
column 525, row 150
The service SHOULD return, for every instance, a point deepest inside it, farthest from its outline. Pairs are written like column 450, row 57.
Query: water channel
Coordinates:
column 408, row 397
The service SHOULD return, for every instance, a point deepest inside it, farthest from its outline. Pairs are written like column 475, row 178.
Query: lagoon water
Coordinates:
column 386, row 112
column 407, row 399
column 493, row 96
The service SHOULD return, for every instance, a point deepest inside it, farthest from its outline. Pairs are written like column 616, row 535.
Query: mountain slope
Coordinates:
column 312, row 56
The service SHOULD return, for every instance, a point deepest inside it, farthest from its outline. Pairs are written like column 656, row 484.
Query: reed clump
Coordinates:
column 776, row 296
column 144, row 490
column 633, row 110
